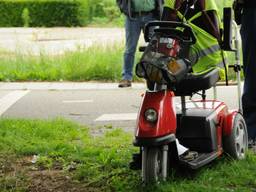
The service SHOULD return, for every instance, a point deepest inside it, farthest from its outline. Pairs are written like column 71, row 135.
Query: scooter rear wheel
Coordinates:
column 153, row 167
column 236, row 143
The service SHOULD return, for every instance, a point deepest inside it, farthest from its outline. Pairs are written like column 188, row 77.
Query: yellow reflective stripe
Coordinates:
column 207, row 51
column 204, row 71
column 179, row 14
column 195, row 16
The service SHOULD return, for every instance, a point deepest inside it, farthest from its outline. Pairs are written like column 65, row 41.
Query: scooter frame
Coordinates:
column 162, row 134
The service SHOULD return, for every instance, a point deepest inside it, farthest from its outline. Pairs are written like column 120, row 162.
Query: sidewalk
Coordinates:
column 54, row 41
column 65, row 86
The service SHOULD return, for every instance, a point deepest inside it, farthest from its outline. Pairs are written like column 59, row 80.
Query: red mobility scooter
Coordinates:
column 205, row 126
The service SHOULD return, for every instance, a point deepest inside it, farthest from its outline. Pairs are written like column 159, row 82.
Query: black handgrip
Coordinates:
column 227, row 40
column 176, row 34
column 168, row 24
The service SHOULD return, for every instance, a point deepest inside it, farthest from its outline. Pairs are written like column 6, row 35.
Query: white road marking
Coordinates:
column 78, row 101
column 11, row 98
column 117, row 117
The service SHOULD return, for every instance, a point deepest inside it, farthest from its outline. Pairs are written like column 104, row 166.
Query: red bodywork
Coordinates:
column 169, row 46
column 229, row 123
column 163, row 103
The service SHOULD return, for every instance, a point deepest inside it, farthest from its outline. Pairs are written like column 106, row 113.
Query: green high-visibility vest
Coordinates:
column 206, row 49
column 221, row 4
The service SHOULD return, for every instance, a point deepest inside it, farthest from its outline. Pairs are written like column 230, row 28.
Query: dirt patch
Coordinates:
column 20, row 173
column 54, row 180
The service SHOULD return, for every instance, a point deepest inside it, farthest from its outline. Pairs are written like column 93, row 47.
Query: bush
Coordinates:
column 50, row 13
column 104, row 9
column 25, row 17
column 44, row 13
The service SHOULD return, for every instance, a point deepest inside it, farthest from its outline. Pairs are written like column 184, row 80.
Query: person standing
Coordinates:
column 245, row 13
column 138, row 13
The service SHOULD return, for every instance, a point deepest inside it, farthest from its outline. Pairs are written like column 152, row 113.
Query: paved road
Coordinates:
column 92, row 104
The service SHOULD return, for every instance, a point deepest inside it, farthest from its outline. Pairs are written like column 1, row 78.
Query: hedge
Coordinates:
column 43, row 13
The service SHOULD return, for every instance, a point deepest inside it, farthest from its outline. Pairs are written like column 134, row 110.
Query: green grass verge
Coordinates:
column 95, row 63
column 98, row 163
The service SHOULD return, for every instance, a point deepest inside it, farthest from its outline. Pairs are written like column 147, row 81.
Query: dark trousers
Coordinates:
column 133, row 29
column 248, row 34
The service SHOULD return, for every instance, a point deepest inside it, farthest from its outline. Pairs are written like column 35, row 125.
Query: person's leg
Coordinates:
column 132, row 34
column 145, row 19
column 248, row 32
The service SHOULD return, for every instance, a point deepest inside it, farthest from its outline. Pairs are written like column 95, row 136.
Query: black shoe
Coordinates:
column 125, row 83
column 136, row 163
column 252, row 145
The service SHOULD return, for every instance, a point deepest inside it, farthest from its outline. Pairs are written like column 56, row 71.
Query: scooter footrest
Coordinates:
column 201, row 160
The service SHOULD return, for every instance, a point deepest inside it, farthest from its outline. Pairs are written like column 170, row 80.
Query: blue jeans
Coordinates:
column 133, row 29
column 248, row 34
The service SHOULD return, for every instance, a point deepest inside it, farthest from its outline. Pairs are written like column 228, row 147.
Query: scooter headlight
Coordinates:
column 151, row 115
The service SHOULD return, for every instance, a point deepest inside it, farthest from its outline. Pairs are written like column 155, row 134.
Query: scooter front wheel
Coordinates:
column 153, row 165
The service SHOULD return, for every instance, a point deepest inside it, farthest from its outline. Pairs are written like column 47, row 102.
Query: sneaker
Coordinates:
column 125, row 83
column 189, row 156
column 251, row 143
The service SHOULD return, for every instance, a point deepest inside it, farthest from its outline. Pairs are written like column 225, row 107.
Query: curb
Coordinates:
column 65, row 86
column 77, row 86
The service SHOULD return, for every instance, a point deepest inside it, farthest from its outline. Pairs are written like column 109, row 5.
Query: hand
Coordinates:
column 190, row 3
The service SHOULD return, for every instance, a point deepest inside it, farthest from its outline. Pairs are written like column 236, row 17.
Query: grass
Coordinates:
column 96, row 63
column 99, row 162
column 69, row 158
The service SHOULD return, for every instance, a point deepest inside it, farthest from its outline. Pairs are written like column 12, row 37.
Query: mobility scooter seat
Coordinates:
column 196, row 82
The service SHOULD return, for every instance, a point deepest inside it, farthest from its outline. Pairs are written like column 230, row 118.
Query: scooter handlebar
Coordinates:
column 172, row 26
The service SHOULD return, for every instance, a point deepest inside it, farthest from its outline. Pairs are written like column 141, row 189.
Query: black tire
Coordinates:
column 153, row 170
column 236, row 143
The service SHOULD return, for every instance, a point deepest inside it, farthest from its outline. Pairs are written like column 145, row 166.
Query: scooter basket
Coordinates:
column 165, row 60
